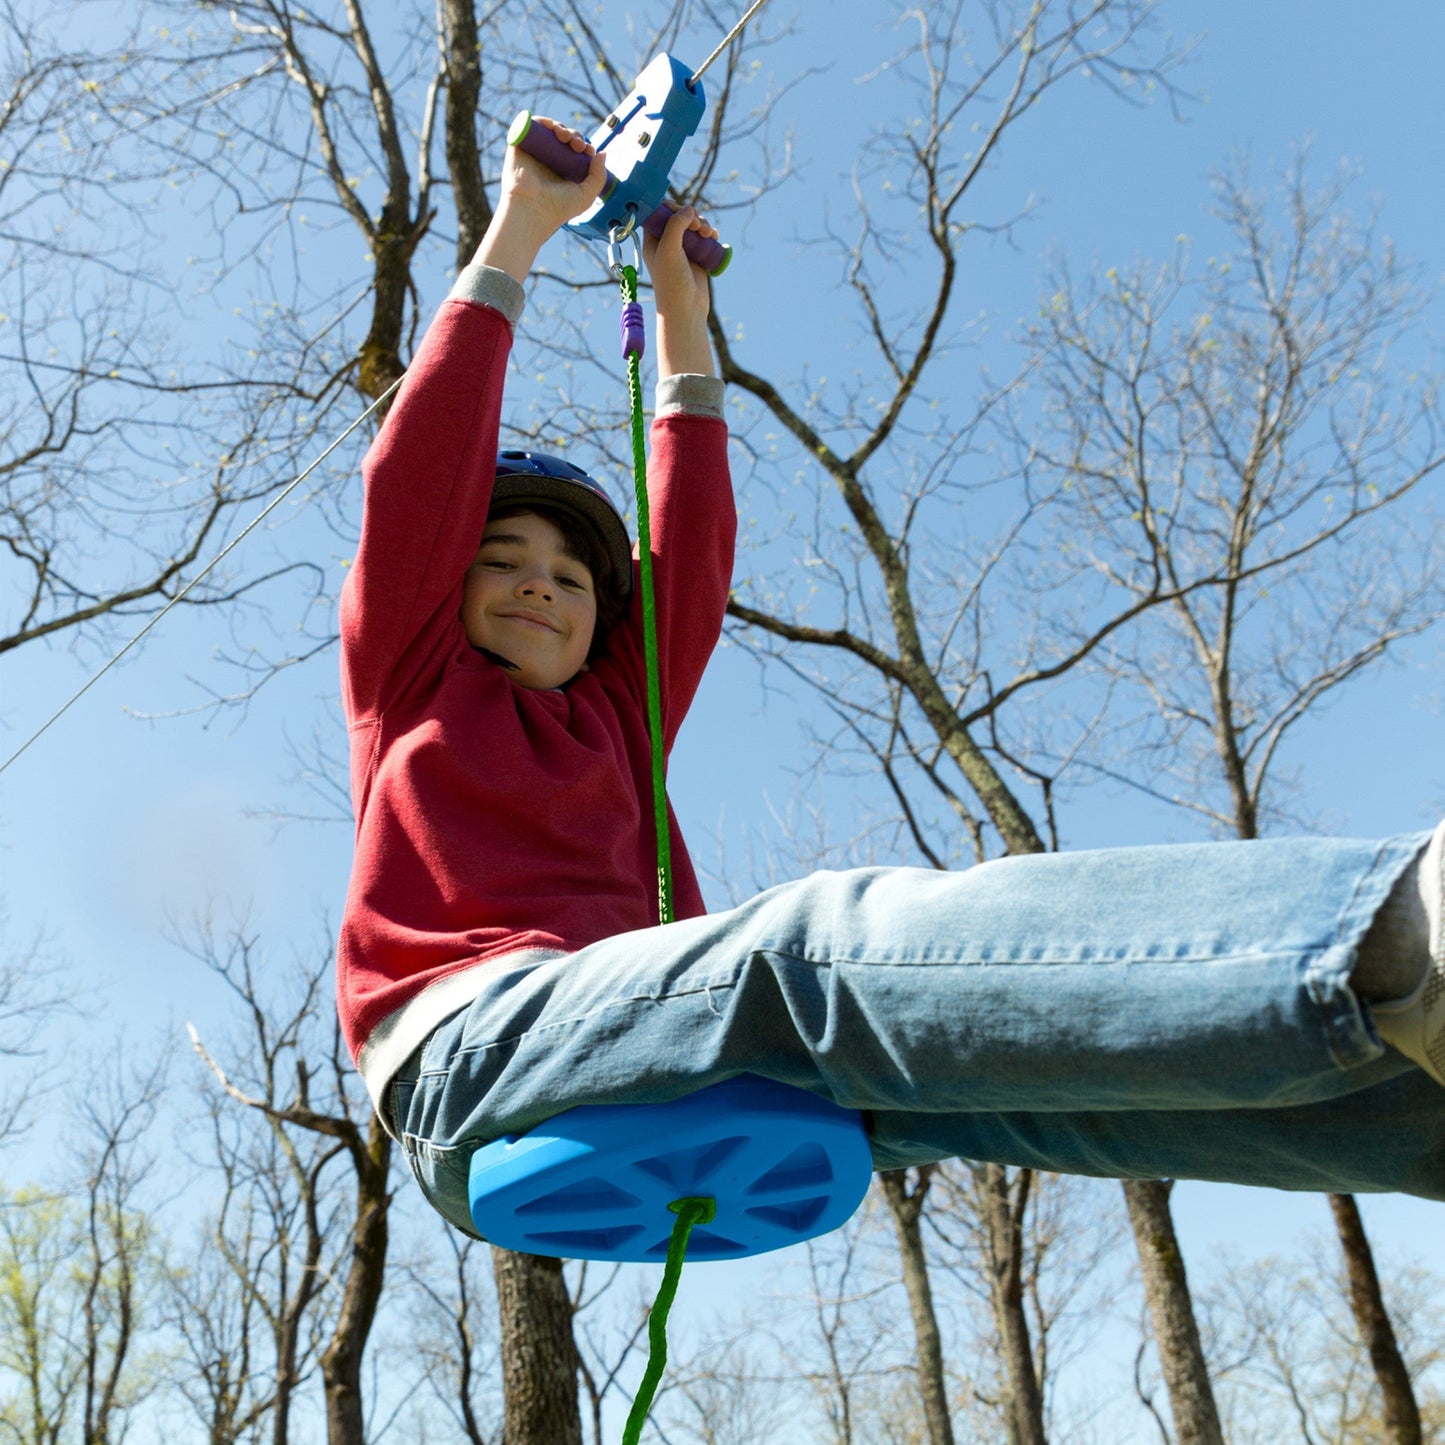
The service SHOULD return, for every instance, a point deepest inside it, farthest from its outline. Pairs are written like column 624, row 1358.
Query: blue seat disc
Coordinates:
column 594, row 1183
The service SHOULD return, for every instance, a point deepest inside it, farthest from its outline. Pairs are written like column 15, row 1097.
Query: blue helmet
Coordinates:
column 529, row 477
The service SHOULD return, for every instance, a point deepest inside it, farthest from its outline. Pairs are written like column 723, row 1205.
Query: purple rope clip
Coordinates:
column 634, row 337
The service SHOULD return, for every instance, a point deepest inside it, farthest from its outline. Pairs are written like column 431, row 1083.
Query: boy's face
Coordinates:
column 528, row 600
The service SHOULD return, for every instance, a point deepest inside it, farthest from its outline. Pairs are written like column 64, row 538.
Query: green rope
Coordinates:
column 649, row 619
column 689, row 1212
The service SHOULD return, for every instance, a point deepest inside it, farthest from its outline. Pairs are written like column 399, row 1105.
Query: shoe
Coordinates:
column 1415, row 1024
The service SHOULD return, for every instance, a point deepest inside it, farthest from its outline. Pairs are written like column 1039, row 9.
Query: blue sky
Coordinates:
column 111, row 825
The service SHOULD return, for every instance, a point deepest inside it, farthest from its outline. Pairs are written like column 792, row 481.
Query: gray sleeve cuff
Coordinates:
column 691, row 394
column 488, row 286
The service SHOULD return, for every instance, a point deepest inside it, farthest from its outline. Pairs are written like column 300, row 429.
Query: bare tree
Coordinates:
column 310, row 1106
column 119, row 469
column 911, row 682
column 1259, row 460
column 460, row 1351
column 245, row 1308
column 1171, row 1313
column 726, row 1395
column 1400, row 1415
column 221, row 1309
column 862, row 1375
column 539, row 1365
column 905, row 1204
column 1298, row 1368
column 30, row 999
column 1021, row 1250
column 1252, row 448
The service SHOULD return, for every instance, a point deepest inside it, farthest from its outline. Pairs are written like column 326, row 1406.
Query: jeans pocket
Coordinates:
column 443, row 1175
column 398, row 1103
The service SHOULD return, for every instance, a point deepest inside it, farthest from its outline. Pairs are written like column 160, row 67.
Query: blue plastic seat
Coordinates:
column 596, row 1181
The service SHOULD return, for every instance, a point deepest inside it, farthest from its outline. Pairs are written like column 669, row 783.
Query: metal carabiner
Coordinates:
column 615, row 236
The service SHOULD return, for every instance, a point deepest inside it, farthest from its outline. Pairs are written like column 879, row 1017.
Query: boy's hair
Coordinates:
column 580, row 539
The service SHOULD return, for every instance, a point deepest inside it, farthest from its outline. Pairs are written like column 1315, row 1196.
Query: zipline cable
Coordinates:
column 200, row 576
column 291, row 487
column 728, row 39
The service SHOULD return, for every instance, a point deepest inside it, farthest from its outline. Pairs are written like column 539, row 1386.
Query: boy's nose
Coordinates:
column 535, row 586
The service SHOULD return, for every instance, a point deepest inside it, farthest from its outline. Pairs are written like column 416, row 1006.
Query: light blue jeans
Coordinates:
column 1180, row 1012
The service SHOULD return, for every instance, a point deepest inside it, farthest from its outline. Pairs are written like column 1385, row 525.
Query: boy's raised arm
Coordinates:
column 693, row 516
column 535, row 204
column 429, row 472
column 682, row 298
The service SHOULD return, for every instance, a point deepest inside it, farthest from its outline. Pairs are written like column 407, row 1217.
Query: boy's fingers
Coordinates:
column 596, row 176
column 686, row 218
column 671, row 237
column 699, row 223
column 668, row 248
column 573, row 138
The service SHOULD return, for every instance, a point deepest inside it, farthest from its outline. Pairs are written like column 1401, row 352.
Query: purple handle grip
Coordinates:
column 705, row 251
column 542, row 144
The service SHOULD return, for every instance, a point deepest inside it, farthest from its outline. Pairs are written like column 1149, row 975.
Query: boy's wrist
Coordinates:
column 683, row 347
column 514, row 239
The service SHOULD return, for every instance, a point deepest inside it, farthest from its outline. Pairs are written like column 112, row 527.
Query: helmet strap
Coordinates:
column 498, row 659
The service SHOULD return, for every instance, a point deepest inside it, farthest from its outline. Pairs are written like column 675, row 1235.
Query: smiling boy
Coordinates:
column 492, row 657
column 1269, row 1013
column 530, row 601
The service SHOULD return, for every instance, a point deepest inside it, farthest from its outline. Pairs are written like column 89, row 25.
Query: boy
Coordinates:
column 1213, row 1011
column 492, row 654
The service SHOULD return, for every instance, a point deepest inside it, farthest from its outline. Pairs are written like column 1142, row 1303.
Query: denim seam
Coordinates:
column 1011, row 958
column 706, row 987
column 416, row 1147
column 1348, row 1033
column 456, row 1157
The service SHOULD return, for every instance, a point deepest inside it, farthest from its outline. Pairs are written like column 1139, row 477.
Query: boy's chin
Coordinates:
column 524, row 675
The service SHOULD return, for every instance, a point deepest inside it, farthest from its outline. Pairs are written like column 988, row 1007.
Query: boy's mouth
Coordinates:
column 531, row 619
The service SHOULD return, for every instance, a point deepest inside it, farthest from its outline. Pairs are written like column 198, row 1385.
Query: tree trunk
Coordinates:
column 341, row 1360
column 1176, row 1335
column 1004, row 1216
column 539, row 1355
column 1401, row 1412
column 907, row 1209
column 462, row 50
column 380, row 353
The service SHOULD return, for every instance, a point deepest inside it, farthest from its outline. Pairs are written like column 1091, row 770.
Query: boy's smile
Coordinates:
column 529, row 601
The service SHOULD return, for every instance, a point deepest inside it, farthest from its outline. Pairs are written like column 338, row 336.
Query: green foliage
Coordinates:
column 72, row 1275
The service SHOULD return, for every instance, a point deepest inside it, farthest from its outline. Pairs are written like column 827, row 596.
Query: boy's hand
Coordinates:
column 682, row 297
column 535, row 203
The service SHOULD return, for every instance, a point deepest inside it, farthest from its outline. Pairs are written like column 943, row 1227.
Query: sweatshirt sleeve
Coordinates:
column 428, row 482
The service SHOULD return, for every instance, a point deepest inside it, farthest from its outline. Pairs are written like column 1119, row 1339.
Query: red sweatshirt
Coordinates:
column 493, row 819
